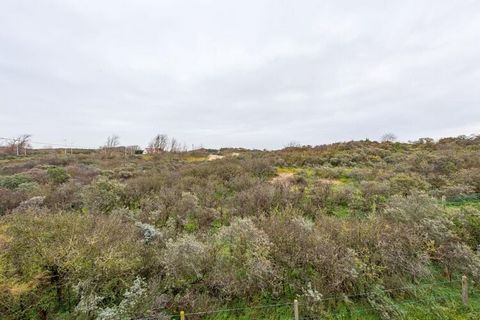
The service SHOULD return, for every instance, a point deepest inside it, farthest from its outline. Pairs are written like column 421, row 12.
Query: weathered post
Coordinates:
column 464, row 290
column 295, row 309
column 182, row 315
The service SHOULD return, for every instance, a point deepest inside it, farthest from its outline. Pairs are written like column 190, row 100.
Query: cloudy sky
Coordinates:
column 238, row 73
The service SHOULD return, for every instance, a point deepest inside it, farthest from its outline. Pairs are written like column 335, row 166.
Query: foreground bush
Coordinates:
column 43, row 257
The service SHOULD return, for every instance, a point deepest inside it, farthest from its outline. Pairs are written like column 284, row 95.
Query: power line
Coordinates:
column 49, row 143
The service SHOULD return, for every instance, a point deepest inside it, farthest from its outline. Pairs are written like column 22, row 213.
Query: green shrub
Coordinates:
column 467, row 225
column 44, row 257
column 242, row 263
column 67, row 196
column 57, row 175
column 103, row 196
column 14, row 181
column 186, row 261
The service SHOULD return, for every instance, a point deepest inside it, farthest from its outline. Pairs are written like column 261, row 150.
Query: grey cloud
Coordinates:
column 251, row 73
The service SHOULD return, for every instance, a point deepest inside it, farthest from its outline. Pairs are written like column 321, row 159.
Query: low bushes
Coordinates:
column 46, row 256
column 14, row 181
column 57, row 175
column 103, row 195
column 124, row 238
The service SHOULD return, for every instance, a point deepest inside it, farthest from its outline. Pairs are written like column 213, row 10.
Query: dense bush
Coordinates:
column 186, row 261
column 44, row 256
column 57, row 175
column 103, row 195
column 93, row 237
column 242, row 264
column 10, row 199
column 15, row 181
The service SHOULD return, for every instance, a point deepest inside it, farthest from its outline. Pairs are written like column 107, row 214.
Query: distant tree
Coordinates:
column 19, row 144
column 174, row 145
column 425, row 141
column 158, row 144
column 389, row 137
column 112, row 142
column 293, row 144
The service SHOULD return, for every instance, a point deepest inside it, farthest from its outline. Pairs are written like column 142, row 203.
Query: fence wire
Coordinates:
column 328, row 298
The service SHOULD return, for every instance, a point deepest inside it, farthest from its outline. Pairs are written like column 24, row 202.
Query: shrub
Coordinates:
column 10, row 199
column 102, row 253
column 259, row 167
column 149, row 231
column 453, row 192
column 256, row 199
column 467, row 225
column 185, row 261
column 306, row 255
column 38, row 175
column 321, row 195
column 82, row 173
column 57, row 175
column 65, row 197
column 470, row 177
column 103, row 195
column 139, row 187
column 29, row 187
column 458, row 257
column 34, row 203
column 13, row 182
column 405, row 185
column 422, row 214
column 242, row 265
column 128, row 308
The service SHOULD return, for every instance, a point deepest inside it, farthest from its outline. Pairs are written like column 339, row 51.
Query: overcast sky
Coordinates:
column 238, row 73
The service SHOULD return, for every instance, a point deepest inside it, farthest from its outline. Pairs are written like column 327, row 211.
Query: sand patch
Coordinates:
column 212, row 157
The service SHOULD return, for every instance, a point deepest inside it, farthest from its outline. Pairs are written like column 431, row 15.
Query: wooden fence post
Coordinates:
column 295, row 309
column 182, row 315
column 464, row 290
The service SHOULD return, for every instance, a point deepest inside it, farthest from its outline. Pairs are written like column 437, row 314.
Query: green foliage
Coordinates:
column 57, row 175
column 103, row 195
column 185, row 261
column 50, row 255
column 128, row 307
column 242, row 262
column 14, row 181
column 467, row 225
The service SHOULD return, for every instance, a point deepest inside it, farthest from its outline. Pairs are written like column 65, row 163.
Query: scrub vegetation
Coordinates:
column 116, row 235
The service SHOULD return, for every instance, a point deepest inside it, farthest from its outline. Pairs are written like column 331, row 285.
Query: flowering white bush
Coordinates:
column 90, row 303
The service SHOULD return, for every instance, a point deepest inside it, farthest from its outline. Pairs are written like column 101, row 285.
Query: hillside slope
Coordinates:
column 354, row 230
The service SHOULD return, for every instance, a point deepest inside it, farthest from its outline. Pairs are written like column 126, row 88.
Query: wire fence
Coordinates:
column 351, row 311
